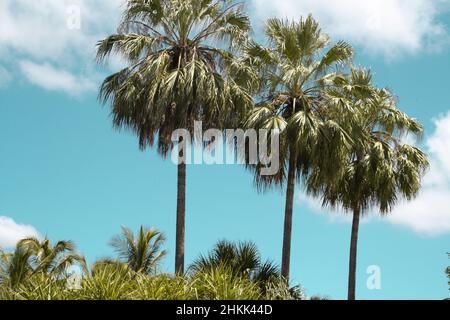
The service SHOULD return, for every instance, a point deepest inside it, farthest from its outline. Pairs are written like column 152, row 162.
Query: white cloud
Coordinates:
column 50, row 78
column 429, row 213
column 52, row 34
column 45, row 32
column 387, row 27
column 11, row 232
column 45, row 29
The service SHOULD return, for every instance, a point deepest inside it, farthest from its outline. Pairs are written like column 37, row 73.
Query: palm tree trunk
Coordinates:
column 287, row 233
column 181, row 215
column 353, row 255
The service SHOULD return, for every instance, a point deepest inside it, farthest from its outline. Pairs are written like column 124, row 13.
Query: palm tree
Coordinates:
column 142, row 253
column 380, row 168
column 33, row 256
column 243, row 259
column 296, row 67
column 14, row 267
column 51, row 259
column 180, row 62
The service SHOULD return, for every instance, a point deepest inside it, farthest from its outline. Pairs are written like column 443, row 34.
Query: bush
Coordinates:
column 222, row 284
column 117, row 282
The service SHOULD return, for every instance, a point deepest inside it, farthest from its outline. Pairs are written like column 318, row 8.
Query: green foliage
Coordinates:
column 232, row 271
column 242, row 261
column 50, row 259
column 33, row 257
column 279, row 290
column 221, row 284
column 181, row 68
column 163, row 287
column 38, row 286
column 109, row 283
column 379, row 168
column 142, row 253
column 14, row 267
column 295, row 69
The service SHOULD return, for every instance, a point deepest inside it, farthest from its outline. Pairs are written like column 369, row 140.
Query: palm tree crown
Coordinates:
column 14, row 267
column 52, row 259
column 243, row 259
column 33, row 256
column 142, row 253
column 175, row 74
column 380, row 168
column 296, row 67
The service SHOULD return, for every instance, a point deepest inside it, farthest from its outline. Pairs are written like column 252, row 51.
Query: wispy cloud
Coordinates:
column 50, row 78
column 11, row 232
column 57, row 37
column 429, row 213
column 386, row 27
column 43, row 32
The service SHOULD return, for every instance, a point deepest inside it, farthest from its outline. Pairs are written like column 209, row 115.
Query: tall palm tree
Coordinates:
column 142, row 253
column 243, row 259
column 380, row 168
column 180, row 62
column 296, row 67
column 51, row 259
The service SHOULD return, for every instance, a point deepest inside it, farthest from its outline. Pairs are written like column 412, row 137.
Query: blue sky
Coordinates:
column 65, row 173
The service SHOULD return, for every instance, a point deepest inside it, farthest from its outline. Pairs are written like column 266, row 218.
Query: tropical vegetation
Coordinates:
column 34, row 258
column 342, row 140
column 243, row 260
column 141, row 253
column 232, row 271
